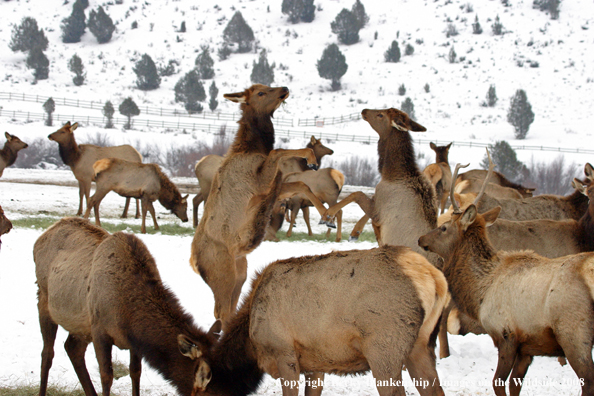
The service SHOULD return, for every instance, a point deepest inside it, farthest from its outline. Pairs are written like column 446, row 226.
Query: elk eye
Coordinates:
column 443, row 228
column 261, row 94
column 380, row 115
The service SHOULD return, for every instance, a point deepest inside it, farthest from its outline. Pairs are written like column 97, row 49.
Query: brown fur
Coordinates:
column 376, row 310
column 10, row 151
column 243, row 193
column 496, row 178
column 494, row 190
column 80, row 159
column 205, row 170
column 106, row 289
column 142, row 181
column 440, row 173
column 403, row 195
column 5, row 224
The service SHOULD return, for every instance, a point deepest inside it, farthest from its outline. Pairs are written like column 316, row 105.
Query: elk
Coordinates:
column 10, row 151
column 440, row 173
column 496, row 178
column 141, row 181
column 376, row 310
column 494, row 190
column 5, row 224
column 106, row 289
column 529, row 305
column 80, row 159
column 403, row 195
column 243, row 193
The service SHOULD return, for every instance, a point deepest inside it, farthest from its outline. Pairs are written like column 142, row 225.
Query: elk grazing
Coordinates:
column 5, row 224
column 141, row 181
column 529, row 305
column 403, row 196
column 106, row 289
column 10, row 151
column 496, row 178
column 242, row 197
column 440, row 173
column 80, row 159
column 376, row 310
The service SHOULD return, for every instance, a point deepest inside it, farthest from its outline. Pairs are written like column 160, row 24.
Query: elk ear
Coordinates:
column 433, row 146
column 578, row 185
column 491, row 215
column 67, row 124
column 589, row 171
column 238, row 97
column 215, row 329
column 203, row 376
column 8, row 136
column 187, row 347
column 449, row 145
column 415, row 127
column 73, row 127
column 468, row 217
column 313, row 139
column 185, row 197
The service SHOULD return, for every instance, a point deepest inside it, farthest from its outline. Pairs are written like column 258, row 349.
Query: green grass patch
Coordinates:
column 33, row 390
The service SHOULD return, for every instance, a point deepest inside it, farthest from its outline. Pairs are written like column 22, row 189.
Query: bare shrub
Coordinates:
column 98, row 139
column 42, row 154
column 359, row 171
column 554, row 177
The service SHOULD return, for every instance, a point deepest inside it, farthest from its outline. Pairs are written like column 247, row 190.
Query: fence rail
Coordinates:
column 279, row 132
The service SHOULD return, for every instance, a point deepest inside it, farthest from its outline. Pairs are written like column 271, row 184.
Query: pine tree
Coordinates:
column 75, row 65
column 520, row 114
column 332, row 65
column 262, row 72
column 299, row 10
column 205, row 64
column 83, row 4
column 401, row 90
column 39, row 63
column 393, row 53
column 507, row 162
column 346, row 26
column 476, row 26
column 427, row 88
column 497, row 27
column 213, row 91
column 74, row 26
column 491, row 96
column 108, row 112
column 147, row 77
column 101, row 25
column 129, row 109
column 409, row 50
column 49, row 107
column 409, row 108
column 27, row 36
column 358, row 11
column 239, row 32
column 452, row 55
column 189, row 90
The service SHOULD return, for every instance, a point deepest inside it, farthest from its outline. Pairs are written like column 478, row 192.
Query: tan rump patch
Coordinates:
column 338, row 178
column 101, row 165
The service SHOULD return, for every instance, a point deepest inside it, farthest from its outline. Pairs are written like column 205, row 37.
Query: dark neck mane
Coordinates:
column 69, row 152
column 578, row 204
column 586, row 226
column 255, row 134
column 397, row 156
column 169, row 195
column 8, row 154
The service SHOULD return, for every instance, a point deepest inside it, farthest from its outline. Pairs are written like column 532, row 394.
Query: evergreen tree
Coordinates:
column 75, row 65
column 147, row 77
column 332, row 65
column 491, row 96
column 213, row 91
column 497, row 27
column 129, row 109
column 262, row 72
column 205, row 64
column 346, row 26
column 409, row 108
column 182, row 28
column 550, row 6
column 189, row 90
column 504, row 156
column 74, row 26
column 101, row 25
column 299, row 10
column 452, row 55
column 39, row 63
column 49, row 107
column 401, row 90
column 426, row 87
column 170, row 69
column 393, row 53
column 409, row 50
column 476, row 26
column 358, row 11
column 108, row 112
column 239, row 32
column 83, row 4
column 27, row 36
column 520, row 114
column 224, row 52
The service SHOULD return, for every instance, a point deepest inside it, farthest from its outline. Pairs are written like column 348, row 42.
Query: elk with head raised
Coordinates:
column 10, row 151
column 242, row 197
column 376, row 310
column 529, row 305
column 440, row 173
column 146, row 182
column 80, row 159
column 106, row 289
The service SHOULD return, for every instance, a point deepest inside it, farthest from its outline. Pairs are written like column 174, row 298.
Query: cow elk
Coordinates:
column 529, row 305
column 440, row 173
column 5, row 224
column 496, row 178
column 146, row 182
column 10, row 151
column 403, row 196
column 80, row 159
column 242, row 197
column 376, row 310
column 106, row 289
column 494, row 190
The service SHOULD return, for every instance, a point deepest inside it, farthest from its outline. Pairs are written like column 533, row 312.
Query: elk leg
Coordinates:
column 151, row 209
column 48, row 333
column 361, row 199
column 358, row 228
column 81, row 196
column 126, row 206
column 137, row 215
column 195, row 202
column 144, row 210
column 76, row 348
column 103, row 345
column 421, row 367
column 288, row 368
column 294, row 212
column 305, row 211
column 240, row 277
column 94, row 203
column 87, row 193
column 519, row 372
column 444, row 345
column 576, row 342
column 507, row 351
column 339, row 226
column 294, row 188
column 135, row 371
column 276, row 155
column 314, row 384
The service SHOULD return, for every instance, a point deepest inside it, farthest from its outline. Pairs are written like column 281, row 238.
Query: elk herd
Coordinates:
column 499, row 261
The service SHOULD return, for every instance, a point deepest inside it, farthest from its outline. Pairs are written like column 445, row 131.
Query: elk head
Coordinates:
column 63, row 134
column 319, row 149
column 14, row 142
column 181, row 209
column 260, row 99
column 383, row 121
column 441, row 152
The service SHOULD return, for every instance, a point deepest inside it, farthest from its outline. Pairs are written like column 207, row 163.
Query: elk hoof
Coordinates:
column 313, row 166
column 330, row 224
column 353, row 238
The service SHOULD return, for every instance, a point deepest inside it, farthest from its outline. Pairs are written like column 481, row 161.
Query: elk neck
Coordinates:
column 169, row 195
column 69, row 152
column 8, row 154
column 255, row 134
column 397, row 156
column 578, row 204
column 586, row 229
